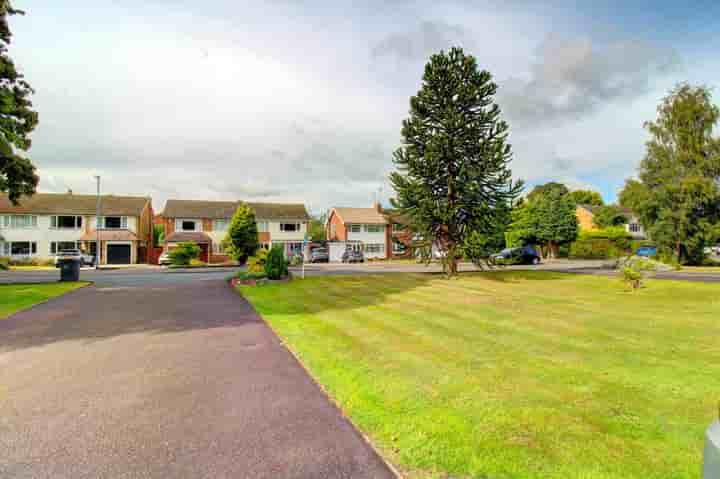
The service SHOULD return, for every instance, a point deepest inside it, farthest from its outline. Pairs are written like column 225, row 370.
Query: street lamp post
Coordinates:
column 97, row 225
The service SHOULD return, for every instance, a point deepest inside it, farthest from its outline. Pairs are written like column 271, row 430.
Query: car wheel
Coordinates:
column 536, row 260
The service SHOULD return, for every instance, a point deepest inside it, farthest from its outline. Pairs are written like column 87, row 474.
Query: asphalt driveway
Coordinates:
column 173, row 380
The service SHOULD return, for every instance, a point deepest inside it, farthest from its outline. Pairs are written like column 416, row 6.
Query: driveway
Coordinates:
column 178, row 380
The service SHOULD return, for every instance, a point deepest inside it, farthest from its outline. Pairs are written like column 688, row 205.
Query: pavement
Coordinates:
column 156, row 275
column 177, row 378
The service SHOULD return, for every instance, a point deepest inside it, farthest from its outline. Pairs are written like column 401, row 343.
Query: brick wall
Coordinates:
column 340, row 230
column 585, row 219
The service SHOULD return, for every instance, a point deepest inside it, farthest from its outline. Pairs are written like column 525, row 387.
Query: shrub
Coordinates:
column 241, row 239
column 249, row 275
column 4, row 263
column 276, row 267
column 601, row 244
column 197, row 262
column 296, row 260
column 183, row 253
column 256, row 264
column 634, row 270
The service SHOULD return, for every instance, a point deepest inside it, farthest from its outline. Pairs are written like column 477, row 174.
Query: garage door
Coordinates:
column 118, row 254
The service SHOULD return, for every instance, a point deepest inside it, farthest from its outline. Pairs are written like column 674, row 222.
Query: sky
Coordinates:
column 303, row 101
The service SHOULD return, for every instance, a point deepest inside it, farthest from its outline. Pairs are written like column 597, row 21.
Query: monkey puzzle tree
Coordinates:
column 452, row 176
column 17, row 118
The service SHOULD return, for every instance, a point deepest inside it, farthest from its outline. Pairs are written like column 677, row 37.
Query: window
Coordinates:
column 374, row 228
column 66, row 222
column 187, row 225
column 262, row 226
column 289, row 227
column 635, row 227
column 221, row 225
column 113, row 222
column 18, row 221
column 375, row 248
column 355, row 228
column 22, row 248
column 57, row 246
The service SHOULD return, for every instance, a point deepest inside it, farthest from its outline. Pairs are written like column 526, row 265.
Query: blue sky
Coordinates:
column 290, row 100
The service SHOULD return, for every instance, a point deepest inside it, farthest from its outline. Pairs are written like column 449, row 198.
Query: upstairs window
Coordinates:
column 221, row 225
column 66, row 222
column 289, row 227
column 18, row 221
column 113, row 222
column 635, row 227
column 374, row 228
column 187, row 225
column 355, row 228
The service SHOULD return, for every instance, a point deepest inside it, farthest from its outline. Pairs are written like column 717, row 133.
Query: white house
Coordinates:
column 45, row 223
column 365, row 229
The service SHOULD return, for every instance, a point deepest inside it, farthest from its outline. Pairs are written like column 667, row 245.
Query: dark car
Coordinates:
column 353, row 256
column 522, row 255
column 646, row 251
column 319, row 255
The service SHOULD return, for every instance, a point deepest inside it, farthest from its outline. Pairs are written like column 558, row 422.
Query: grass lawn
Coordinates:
column 513, row 374
column 14, row 297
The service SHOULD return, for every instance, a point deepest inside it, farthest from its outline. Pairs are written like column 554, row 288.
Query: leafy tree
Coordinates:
column 548, row 220
column 17, row 118
column 158, row 234
column 452, row 175
column 677, row 194
column 610, row 215
column 182, row 253
column 241, row 240
column 316, row 228
column 543, row 190
column 276, row 266
column 587, row 197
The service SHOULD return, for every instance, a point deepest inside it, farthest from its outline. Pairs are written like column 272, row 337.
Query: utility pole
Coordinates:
column 98, row 208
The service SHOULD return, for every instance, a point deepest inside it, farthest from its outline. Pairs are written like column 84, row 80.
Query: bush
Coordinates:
column 635, row 269
column 241, row 239
column 31, row 261
column 4, row 263
column 183, row 253
column 607, row 243
column 276, row 267
column 296, row 260
column 256, row 264
column 248, row 275
column 197, row 262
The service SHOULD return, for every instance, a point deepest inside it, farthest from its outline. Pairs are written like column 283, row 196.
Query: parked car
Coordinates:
column 353, row 256
column 319, row 255
column 164, row 259
column 647, row 251
column 84, row 258
column 522, row 255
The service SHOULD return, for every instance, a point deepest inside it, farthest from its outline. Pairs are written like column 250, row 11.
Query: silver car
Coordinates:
column 85, row 259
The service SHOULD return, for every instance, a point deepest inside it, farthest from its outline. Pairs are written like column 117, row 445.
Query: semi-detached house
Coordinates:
column 206, row 222
column 45, row 223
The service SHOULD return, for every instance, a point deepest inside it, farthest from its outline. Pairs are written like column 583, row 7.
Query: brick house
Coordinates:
column 379, row 233
column 45, row 223
column 205, row 223
column 586, row 214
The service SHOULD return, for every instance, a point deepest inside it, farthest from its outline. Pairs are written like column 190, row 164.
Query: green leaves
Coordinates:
column 241, row 240
column 452, row 170
column 17, row 118
column 677, row 195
